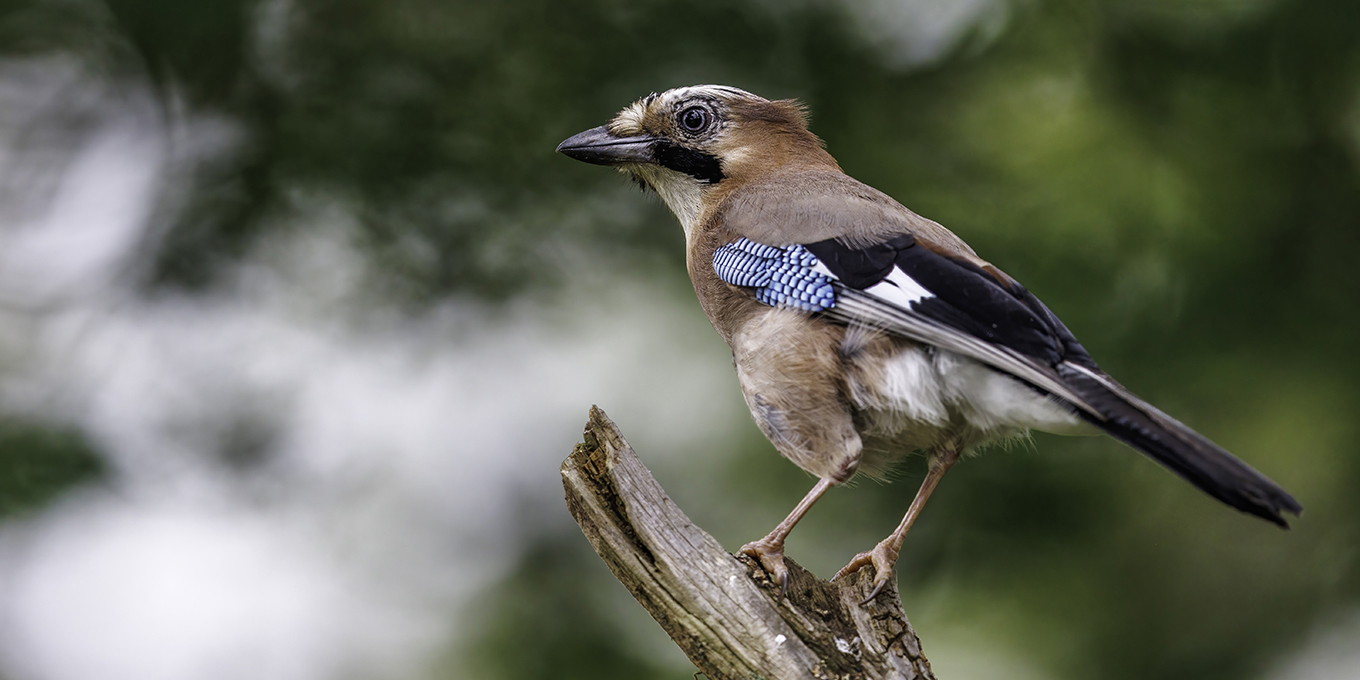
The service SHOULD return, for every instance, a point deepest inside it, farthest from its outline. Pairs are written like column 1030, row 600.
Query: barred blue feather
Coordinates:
column 782, row 277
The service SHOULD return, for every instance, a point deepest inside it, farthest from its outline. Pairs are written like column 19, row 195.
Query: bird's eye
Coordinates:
column 694, row 119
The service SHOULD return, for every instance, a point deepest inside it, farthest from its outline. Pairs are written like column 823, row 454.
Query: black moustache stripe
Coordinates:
column 697, row 164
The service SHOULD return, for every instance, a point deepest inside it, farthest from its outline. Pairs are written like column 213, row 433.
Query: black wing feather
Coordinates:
column 970, row 299
column 967, row 298
column 860, row 268
column 1037, row 348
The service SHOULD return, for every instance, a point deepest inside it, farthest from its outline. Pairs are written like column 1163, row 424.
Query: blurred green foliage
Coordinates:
column 1177, row 179
column 38, row 464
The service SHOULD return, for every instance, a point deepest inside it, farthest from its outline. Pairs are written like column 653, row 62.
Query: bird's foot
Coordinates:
column 770, row 554
column 882, row 558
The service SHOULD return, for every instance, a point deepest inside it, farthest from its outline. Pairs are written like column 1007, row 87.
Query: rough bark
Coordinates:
column 724, row 611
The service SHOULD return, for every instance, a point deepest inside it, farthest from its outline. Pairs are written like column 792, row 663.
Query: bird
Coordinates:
column 862, row 332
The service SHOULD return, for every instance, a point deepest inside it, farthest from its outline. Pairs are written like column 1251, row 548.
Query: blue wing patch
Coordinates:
column 782, row 277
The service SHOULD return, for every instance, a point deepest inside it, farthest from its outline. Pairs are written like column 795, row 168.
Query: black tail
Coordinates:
column 1177, row 447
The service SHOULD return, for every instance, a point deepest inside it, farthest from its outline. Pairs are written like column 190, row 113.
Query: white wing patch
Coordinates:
column 899, row 289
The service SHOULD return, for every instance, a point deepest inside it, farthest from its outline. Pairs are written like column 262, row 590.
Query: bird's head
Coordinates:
column 691, row 144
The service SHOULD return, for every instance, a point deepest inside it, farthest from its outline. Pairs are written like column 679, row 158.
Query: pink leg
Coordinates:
column 884, row 555
column 770, row 550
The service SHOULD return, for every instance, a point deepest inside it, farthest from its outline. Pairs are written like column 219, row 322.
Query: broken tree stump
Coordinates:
column 722, row 610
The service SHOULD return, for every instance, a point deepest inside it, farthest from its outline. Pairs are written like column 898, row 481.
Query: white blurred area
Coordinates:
column 1332, row 652
column 909, row 33
column 304, row 483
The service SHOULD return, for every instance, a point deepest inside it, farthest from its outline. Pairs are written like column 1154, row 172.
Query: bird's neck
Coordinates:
column 683, row 194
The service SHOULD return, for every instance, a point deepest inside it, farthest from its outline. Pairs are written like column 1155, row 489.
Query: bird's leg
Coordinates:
column 884, row 555
column 770, row 550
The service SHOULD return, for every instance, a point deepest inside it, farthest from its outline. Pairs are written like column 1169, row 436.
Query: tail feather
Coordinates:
column 1177, row 447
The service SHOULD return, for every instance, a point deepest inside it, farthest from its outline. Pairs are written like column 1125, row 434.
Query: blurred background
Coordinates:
column 299, row 313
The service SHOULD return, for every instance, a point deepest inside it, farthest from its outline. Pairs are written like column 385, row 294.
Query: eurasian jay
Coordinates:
column 861, row 331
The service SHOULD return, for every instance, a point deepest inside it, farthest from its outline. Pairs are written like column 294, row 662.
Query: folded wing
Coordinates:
column 946, row 299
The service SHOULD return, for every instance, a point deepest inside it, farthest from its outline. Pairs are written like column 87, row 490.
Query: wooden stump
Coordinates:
column 724, row 611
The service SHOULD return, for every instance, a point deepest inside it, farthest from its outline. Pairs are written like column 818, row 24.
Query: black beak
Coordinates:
column 599, row 146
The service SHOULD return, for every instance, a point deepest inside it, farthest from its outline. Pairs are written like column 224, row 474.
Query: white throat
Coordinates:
column 681, row 193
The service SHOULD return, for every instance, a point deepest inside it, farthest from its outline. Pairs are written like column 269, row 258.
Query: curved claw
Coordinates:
column 771, row 557
column 879, row 581
column 881, row 558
